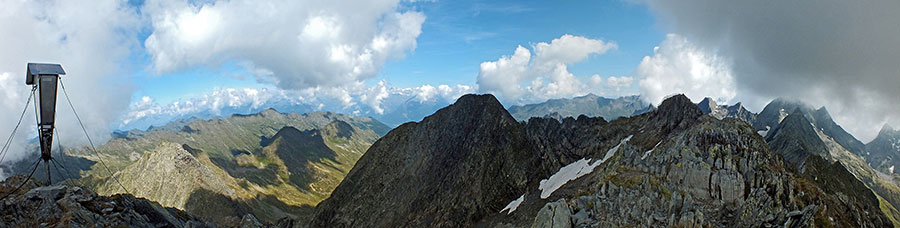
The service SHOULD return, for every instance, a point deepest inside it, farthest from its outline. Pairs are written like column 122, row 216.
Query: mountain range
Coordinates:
column 473, row 164
column 585, row 161
column 589, row 105
column 272, row 165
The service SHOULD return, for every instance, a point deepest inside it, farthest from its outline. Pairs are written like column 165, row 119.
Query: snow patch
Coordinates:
column 763, row 132
column 513, row 205
column 613, row 150
column 650, row 151
column 573, row 171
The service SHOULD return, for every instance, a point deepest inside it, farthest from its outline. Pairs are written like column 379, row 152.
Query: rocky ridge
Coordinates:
column 673, row 166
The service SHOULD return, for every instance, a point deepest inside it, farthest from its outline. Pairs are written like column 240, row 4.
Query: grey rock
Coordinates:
column 554, row 215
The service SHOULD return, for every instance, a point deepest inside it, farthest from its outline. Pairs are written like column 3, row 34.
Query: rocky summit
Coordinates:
column 472, row 164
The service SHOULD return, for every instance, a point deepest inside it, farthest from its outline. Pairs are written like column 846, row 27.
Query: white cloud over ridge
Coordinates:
column 520, row 78
column 679, row 66
column 304, row 44
column 91, row 48
column 357, row 99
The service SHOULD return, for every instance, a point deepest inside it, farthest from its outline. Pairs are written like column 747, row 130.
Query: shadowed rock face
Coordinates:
column 449, row 170
column 673, row 166
column 795, row 139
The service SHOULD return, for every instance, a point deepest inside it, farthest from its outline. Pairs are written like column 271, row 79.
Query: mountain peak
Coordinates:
column 796, row 139
column 481, row 106
column 822, row 113
column 707, row 105
column 886, row 128
column 680, row 104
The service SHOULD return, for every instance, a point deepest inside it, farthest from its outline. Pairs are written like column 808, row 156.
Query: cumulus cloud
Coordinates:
column 521, row 77
column 304, row 44
column 679, row 66
column 840, row 54
column 90, row 47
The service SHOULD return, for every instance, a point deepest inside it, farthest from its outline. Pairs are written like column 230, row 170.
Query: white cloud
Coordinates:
column 304, row 44
column 91, row 42
column 678, row 66
column 596, row 80
column 569, row 49
column 356, row 98
column 550, row 62
column 505, row 75
column 618, row 83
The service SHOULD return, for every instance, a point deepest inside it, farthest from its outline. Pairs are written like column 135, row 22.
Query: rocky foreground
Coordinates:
column 74, row 206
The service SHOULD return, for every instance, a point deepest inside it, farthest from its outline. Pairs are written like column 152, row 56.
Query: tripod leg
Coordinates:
column 47, row 164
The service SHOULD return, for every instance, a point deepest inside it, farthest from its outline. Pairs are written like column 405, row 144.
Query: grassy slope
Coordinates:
column 254, row 180
column 886, row 192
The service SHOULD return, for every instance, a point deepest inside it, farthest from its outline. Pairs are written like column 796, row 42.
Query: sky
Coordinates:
column 128, row 60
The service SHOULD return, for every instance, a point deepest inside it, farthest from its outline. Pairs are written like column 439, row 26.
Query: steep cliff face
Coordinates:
column 472, row 164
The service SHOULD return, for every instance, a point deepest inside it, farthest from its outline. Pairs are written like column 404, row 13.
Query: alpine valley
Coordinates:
column 587, row 161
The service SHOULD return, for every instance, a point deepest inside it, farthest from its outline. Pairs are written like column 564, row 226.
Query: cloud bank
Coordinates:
column 378, row 101
column 840, row 54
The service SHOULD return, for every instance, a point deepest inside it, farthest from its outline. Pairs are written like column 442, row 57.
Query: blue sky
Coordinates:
column 170, row 58
column 456, row 37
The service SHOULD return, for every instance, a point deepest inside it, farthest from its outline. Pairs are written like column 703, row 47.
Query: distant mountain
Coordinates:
column 272, row 165
column 883, row 153
column 708, row 106
column 409, row 109
column 779, row 109
column 590, row 105
column 813, row 144
column 796, row 139
column 395, row 109
column 473, row 164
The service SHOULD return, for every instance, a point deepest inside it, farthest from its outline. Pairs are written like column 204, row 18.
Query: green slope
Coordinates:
column 270, row 164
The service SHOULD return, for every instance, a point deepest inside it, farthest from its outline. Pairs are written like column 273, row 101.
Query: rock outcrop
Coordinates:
column 75, row 206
